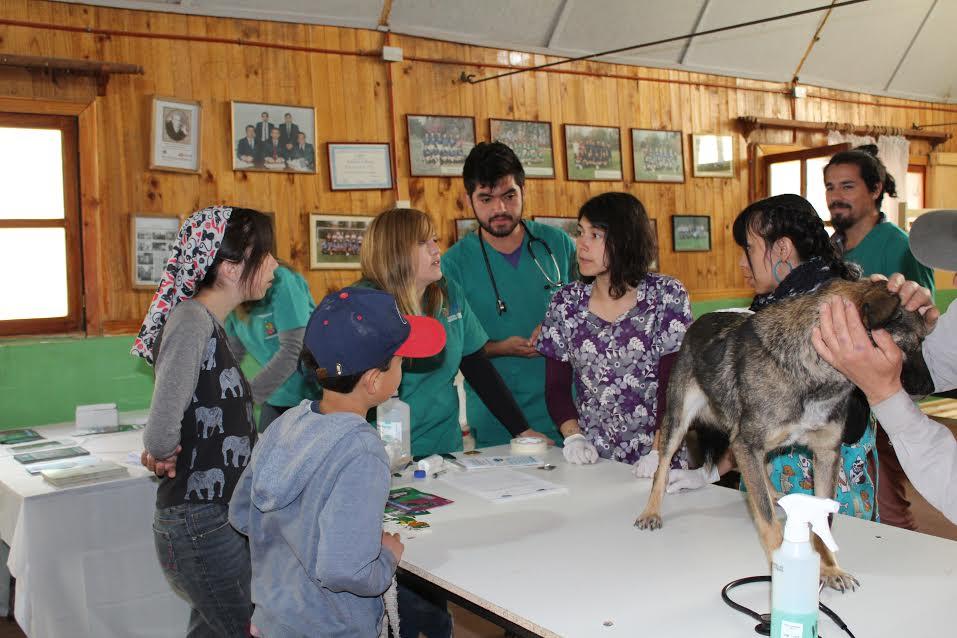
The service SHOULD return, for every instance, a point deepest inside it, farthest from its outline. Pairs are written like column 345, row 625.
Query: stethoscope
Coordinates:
column 553, row 282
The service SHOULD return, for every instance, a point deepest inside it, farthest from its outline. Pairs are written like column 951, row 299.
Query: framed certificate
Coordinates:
column 359, row 166
column 174, row 138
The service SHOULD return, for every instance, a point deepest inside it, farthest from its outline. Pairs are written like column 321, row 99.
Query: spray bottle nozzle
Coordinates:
column 804, row 509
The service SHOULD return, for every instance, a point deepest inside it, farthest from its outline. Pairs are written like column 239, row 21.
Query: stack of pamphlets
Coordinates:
column 12, row 437
column 49, row 455
column 101, row 471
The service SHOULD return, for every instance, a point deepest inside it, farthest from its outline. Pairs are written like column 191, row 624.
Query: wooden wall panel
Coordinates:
column 358, row 97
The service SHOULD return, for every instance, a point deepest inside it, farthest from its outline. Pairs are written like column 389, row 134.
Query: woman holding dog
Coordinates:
column 787, row 252
column 615, row 333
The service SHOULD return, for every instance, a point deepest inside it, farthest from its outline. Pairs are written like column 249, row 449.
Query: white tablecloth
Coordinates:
column 83, row 557
column 567, row 564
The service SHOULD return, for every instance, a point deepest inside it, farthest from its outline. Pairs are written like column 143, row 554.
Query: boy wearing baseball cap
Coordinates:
column 312, row 498
column 927, row 450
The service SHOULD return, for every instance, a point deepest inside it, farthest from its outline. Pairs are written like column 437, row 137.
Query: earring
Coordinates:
column 774, row 270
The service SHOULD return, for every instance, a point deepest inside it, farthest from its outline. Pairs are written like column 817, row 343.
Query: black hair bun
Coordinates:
column 870, row 149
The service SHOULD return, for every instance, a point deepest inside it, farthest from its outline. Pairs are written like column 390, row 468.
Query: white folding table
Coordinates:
column 574, row 565
column 83, row 557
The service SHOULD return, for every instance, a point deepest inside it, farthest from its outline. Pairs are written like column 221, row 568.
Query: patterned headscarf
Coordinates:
column 194, row 250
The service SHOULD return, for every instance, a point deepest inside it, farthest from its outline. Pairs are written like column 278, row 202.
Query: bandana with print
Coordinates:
column 194, row 250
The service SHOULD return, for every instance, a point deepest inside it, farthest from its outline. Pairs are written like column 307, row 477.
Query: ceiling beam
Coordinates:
column 910, row 45
column 558, row 27
column 694, row 29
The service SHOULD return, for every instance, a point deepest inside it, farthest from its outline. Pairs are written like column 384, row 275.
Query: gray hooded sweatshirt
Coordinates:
column 311, row 503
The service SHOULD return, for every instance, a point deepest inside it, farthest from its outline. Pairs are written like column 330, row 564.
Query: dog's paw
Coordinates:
column 837, row 578
column 648, row 521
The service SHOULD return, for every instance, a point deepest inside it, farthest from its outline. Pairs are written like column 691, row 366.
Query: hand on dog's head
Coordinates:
column 881, row 309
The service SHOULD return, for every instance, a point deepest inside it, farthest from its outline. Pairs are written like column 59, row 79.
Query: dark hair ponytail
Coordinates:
column 793, row 217
column 872, row 169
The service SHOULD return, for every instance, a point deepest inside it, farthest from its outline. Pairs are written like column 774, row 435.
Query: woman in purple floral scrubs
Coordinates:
column 616, row 332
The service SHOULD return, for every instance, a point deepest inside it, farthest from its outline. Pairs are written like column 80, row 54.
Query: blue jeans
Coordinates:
column 206, row 562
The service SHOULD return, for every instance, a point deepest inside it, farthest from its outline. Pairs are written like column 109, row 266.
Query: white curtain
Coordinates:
column 894, row 151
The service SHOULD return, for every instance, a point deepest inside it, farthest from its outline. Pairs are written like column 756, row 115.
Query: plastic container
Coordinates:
column 394, row 422
column 796, row 566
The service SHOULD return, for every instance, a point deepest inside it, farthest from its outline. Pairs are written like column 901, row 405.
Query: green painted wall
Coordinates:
column 42, row 381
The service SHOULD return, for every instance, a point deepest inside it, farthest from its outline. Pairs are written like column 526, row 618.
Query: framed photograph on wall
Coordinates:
column 273, row 137
column 657, row 156
column 151, row 242
column 569, row 225
column 359, row 166
column 439, row 144
column 464, row 226
column 691, row 233
column 531, row 141
column 593, row 152
column 335, row 241
column 654, row 233
column 175, row 135
column 713, row 155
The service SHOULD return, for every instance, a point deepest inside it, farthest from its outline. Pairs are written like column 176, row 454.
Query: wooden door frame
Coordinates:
column 90, row 196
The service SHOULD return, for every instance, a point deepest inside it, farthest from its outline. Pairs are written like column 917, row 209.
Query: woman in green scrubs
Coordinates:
column 400, row 255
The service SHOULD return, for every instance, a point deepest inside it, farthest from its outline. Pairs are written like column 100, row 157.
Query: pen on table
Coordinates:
column 442, row 471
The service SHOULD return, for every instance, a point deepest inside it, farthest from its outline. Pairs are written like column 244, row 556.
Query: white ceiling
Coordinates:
column 899, row 48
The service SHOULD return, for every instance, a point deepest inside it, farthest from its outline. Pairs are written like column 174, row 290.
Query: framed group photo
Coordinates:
column 360, row 166
column 335, row 241
column 151, row 242
column 439, row 144
column 657, row 156
column 273, row 137
column 531, row 141
column 691, row 233
column 568, row 225
column 175, row 135
column 713, row 155
column 593, row 152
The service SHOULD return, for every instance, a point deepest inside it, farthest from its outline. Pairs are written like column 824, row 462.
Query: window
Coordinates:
column 916, row 183
column 40, row 255
column 802, row 173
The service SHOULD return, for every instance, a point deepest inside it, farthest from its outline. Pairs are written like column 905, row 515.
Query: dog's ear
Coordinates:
column 878, row 306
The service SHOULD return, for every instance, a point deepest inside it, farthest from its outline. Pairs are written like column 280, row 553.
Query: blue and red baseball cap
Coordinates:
column 356, row 329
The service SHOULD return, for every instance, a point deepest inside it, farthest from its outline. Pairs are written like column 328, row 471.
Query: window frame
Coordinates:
column 73, row 321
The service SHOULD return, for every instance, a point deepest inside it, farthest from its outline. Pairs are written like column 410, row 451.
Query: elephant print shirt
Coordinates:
column 197, row 374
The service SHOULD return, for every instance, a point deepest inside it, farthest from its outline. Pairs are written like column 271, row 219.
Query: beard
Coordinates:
column 503, row 232
column 842, row 218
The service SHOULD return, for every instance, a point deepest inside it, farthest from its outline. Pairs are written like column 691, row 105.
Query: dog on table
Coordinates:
column 756, row 381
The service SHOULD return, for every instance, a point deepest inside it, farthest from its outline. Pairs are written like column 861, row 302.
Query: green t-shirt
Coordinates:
column 885, row 250
column 286, row 306
column 427, row 384
column 526, row 294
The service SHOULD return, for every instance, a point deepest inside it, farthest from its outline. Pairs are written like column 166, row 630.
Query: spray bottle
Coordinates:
column 394, row 421
column 796, row 567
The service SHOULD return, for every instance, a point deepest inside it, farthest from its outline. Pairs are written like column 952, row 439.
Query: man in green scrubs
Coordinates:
column 855, row 182
column 508, row 269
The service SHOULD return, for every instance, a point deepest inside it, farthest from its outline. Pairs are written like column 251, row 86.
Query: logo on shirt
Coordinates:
column 270, row 329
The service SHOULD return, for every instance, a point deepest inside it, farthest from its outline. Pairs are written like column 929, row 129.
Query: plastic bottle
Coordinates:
column 796, row 567
column 394, row 422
